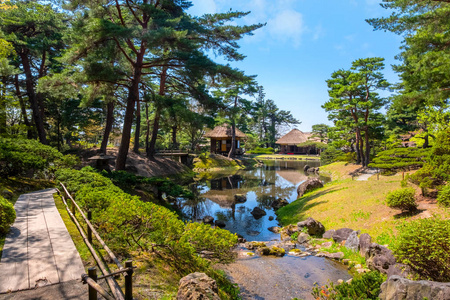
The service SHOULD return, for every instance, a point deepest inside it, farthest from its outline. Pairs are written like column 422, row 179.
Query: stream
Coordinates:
column 261, row 277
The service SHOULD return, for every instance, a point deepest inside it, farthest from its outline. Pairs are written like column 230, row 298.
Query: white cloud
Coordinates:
column 287, row 25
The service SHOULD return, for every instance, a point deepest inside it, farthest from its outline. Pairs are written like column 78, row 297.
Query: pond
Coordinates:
column 276, row 179
column 261, row 277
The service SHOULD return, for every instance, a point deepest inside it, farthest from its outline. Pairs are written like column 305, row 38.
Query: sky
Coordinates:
column 302, row 43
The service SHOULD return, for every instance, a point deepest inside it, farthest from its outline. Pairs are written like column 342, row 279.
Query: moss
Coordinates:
column 208, row 161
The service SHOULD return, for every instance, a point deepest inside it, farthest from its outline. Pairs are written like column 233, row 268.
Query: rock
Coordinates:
column 271, row 218
column 314, row 227
column 337, row 255
column 197, row 286
column 287, row 246
column 349, row 281
column 208, row 220
column 401, row 270
column 341, row 234
column 346, row 262
column 398, row 288
column 7, row 194
column 287, row 231
column 273, row 250
column 364, row 242
column 326, row 245
column 309, row 185
column 328, row 234
column 241, row 239
column 340, row 281
column 352, row 241
column 379, row 258
column 255, row 245
column 279, row 203
column 240, row 198
column 274, row 229
column 258, row 212
column 306, row 167
column 303, row 238
column 362, row 270
column 220, row 223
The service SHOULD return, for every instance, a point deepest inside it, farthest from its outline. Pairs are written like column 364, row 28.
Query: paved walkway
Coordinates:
column 38, row 249
column 367, row 174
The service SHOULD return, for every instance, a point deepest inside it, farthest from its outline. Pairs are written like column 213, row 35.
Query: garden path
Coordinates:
column 38, row 249
column 367, row 174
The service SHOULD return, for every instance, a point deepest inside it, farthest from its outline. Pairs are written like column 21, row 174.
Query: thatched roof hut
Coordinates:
column 224, row 131
column 290, row 141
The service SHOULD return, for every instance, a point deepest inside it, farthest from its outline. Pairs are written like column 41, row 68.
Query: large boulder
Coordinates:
column 279, row 203
column 379, row 258
column 208, row 220
column 352, row 241
column 309, row 185
column 306, row 167
column 364, row 242
column 303, row 238
column 328, row 234
column 197, row 286
column 342, row 234
column 401, row 270
column 314, row 227
column 274, row 229
column 240, row 198
column 220, row 223
column 398, row 288
column 258, row 212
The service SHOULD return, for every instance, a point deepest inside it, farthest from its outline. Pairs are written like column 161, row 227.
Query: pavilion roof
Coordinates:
column 224, row 131
column 294, row 137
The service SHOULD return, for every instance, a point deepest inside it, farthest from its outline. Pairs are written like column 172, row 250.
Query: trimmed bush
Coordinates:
column 7, row 215
column 259, row 150
column 444, row 196
column 402, row 199
column 424, row 245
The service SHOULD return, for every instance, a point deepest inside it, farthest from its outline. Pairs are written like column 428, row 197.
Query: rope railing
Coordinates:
column 94, row 287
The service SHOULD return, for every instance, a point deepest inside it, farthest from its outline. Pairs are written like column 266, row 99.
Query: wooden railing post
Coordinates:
column 92, row 272
column 89, row 230
column 129, row 280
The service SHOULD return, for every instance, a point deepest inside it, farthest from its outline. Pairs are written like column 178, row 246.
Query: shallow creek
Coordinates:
column 261, row 277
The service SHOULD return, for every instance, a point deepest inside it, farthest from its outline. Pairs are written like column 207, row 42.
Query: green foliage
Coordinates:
column 424, row 245
column 330, row 155
column 128, row 224
column 362, row 287
column 294, row 236
column 400, row 158
column 402, row 199
column 259, row 150
column 20, row 156
column 7, row 215
column 444, row 196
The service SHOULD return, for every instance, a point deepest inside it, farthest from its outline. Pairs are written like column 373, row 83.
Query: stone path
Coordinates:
column 38, row 249
column 367, row 174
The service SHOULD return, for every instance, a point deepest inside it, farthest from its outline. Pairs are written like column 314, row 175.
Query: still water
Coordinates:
column 276, row 179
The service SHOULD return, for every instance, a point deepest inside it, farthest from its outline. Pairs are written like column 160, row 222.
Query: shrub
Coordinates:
column 20, row 156
column 330, row 155
column 259, row 150
column 424, row 245
column 444, row 196
column 7, row 215
column 402, row 199
column 365, row 286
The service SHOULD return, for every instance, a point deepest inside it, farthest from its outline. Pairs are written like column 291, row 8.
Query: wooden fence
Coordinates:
column 91, row 278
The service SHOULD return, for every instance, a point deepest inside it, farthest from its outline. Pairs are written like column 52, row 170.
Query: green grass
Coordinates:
column 359, row 205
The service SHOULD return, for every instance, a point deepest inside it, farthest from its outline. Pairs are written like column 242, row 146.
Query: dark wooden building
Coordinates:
column 221, row 138
column 290, row 141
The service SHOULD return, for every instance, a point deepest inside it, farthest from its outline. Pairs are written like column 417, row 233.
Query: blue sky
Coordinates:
column 303, row 43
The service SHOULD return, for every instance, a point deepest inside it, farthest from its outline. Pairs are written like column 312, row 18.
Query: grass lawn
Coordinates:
column 355, row 204
column 287, row 156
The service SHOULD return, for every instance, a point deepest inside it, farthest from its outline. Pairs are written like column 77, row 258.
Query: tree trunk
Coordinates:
column 34, row 102
column 133, row 96
column 137, row 132
column 232, row 152
column 162, row 92
column 174, row 137
column 358, row 153
column 361, row 151
column 3, row 106
column 147, row 125
column 108, row 126
column 23, row 109
column 367, row 160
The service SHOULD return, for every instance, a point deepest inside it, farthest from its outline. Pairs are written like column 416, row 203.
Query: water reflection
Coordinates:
column 261, row 186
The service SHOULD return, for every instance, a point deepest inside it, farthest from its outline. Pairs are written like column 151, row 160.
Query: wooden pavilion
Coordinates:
column 221, row 137
column 290, row 141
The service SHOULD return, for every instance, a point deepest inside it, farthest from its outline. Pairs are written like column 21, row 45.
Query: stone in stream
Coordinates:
column 337, row 255
column 272, row 250
column 328, row 234
column 306, row 167
column 220, row 223
column 274, row 229
column 303, row 238
column 314, row 227
column 271, row 218
column 197, row 286
column 240, row 198
column 258, row 213
column 352, row 241
column 342, row 234
column 208, row 220
column 279, row 203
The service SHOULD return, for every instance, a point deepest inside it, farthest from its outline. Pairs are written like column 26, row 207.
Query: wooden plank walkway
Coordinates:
column 38, row 249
